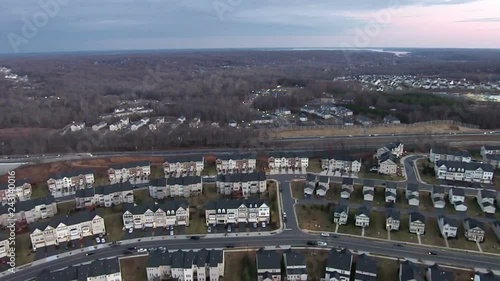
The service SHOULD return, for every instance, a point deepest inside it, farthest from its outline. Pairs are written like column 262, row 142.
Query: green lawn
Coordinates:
column 473, row 209
column 403, row 234
column 66, row 207
column 298, row 189
column 350, row 227
column 387, row 269
column 490, row 243
column 357, row 195
column 209, row 170
column 425, row 164
column 314, row 217
column 333, row 193
column 314, row 166
column 379, row 196
column 432, row 233
column 157, row 171
column 101, row 180
column 134, row 269
column 23, row 249
column 376, row 229
column 426, row 202
column 114, row 222
column 240, row 266
column 401, row 202
column 196, row 222
column 461, row 242
column 272, row 196
column 40, row 190
column 315, row 263
column 142, row 197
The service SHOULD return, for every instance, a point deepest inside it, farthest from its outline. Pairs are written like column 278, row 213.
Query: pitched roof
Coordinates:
column 457, row 191
column 225, row 204
column 437, row 189
column 158, row 258
column 294, row 258
column 362, row 210
column 242, row 177
column 268, row 259
column 335, row 155
column 167, row 205
column 416, row 216
column 130, row 165
column 470, row 223
column 339, row 259
column 394, row 214
column 409, row 271
column 74, row 218
column 237, row 156
column 450, row 221
column 112, row 188
column 438, row 274
column 29, row 204
column 72, row 173
column 186, row 180
column 472, row 166
column 341, row 208
column 450, row 151
column 158, row 182
column 365, row 263
column 310, row 177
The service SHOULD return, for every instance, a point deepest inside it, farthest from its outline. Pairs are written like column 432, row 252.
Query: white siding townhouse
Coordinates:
column 368, row 190
column 185, row 186
column 97, row 270
column 156, row 215
column 268, row 264
column 236, row 162
column 492, row 159
column 67, row 183
column 323, row 183
column 417, row 223
column 462, row 171
column 362, row 217
column 295, row 266
column 183, row 164
column 486, row 200
column 21, row 191
column 289, row 160
column 456, row 196
column 438, row 197
column 62, row 229
column 340, row 162
column 392, row 220
column 338, row 265
column 391, row 192
column 448, row 227
column 222, row 212
column 119, row 125
column 347, row 188
column 449, row 154
column 105, row 195
column 129, row 171
column 391, row 119
column 4, row 244
column 241, row 184
column 473, row 230
column 29, row 211
column 185, row 265
column 412, row 194
column 341, row 214
column 99, row 126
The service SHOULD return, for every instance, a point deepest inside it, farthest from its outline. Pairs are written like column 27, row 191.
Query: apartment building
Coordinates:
column 184, row 186
column 448, row 227
column 168, row 213
column 20, row 190
column 97, row 270
column 183, row 164
column 4, row 244
column 68, row 183
column 27, row 212
column 268, row 264
column 449, row 154
column 462, row 171
column 236, row 162
column 65, row 228
column 366, row 268
column 105, row 195
column 339, row 265
column 129, row 171
column 289, row 160
column 224, row 212
column 332, row 161
column 241, row 184
column 294, row 264
column 185, row 265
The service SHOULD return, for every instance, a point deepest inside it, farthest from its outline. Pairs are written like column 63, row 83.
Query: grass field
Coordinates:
column 314, row 166
column 235, row 265
column 421, row 163
column 376, row 229
column 312, row 217
column 297, row 189
column 432, row 233
column 134, row 269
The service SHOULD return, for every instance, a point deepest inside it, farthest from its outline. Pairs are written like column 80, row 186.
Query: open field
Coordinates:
column 423, row 164
column 432, row 234
column 240, row 265
column 314, row 166
column 394, row 129
column 313, row 217
column 376, row 229
column 134, row 269
column 298, row 189
column 350, row 227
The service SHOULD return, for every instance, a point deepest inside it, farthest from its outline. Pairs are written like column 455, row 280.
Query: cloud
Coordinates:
column 481, row 20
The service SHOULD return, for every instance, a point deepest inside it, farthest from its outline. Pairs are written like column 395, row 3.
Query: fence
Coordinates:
column 379, row 125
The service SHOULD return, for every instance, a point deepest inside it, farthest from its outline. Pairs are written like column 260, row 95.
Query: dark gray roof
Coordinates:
column 450, row 221
column 225, row 204
column 492, row 147
column 237, row 156
column 112, row 188
column 368, row 182
column 438, row 274
column 167, row 205
column 470, row 223
column 130, row 165
column 409, row 271
column 74, row 218
column 177, row 259
column 457, row 191
column 85, row 193
column 387, row 156
column 158, row 182
column 339, row 259
column 310, row 177
column 437, row 189
column 487, row 193
column 416, row 216
column 104, row 267
column 216, row 257
column 348, row 181
column 495, row 157
column 242, row 177
column 365, row 263
column 187, row 180
column 337, row 156
column 363, row 210
column 29, row 204
column 490, row 276
column 294, row 154
column 73, row 173
column 369, row 191
column 323, row 179
column 390, row 118
column 466, row 166
column 294, row 258
column 394, row 214
column 82, row 272
column 268, row 259
column 183, row 158
column 158, row 258
column 450, row 151
column 340, row 208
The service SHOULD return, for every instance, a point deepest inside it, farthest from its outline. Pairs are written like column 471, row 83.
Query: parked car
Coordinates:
column 229, row 246
column 142, row 250
column 195, row 237
column 311, row 243
column 97, row 240
column 209, row 229
column 229, row 229
column 398, row 245
column 324, row 234
column 130, row 230
column 432, row 253
column 103, row 240
column 263, row 224
column 255, row 225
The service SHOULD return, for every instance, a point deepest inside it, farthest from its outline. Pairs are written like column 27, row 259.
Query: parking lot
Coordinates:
column 159, row 231
column 239, row 227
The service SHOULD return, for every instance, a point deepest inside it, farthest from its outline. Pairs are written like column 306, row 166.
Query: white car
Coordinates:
column 142, row 250
column 322, row 244
column 209, row 229
column 263, row 224
column 103, row 240
column 98, row 240
column 130, row 230
column 324, row 234
column 171, row 232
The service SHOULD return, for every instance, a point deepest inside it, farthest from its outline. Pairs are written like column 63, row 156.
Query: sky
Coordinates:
column 75, row 25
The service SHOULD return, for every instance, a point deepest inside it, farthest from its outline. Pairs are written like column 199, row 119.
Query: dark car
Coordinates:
column 229, row 246
column 90, row 254
column 195, row 237
column 334, row 236
column 131, row 248
column 312, row 243
column 433, row 253
column 398, row 245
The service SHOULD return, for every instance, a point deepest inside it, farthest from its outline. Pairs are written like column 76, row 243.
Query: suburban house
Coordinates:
column 489, row 276
column 323, row 185
column 67, row 183
column 391, row 119
column 489, row 150
column 496, row 229
column 394, row 148
column 62, row 229
column 168, row 213
column 20, row 191
column 456, row 196
column 132, row 171
column 340, row 214
column 462, row 171
column 289, row 160
column 366, row 268
column 474, row 230
column 417, row 223
column 362, row 216
column 4, row 244
column 486, row 200
column 99, row 126
column 391, row 192
column 334, row 161
column 310, row 186
column 236, row 162
column 241, row 184
column 364, row 120
column 392, row 220
column 412, row 194
column 97, row 270
column 436, row 273
column 449, row 154
column 492, row 159
column 119, row 125
column 448, row 227
column 387, row 164
column 183, row 164
column 29, row 211
column 185, row 265
column 250, row 210
column 368, row 190
column 295, row 265
column 339, row 263
column 347, row 187
column 138, row 124
column 105, row 195
column 268, row 264
column 408, row 271
column 185, row 186
column 438, row 197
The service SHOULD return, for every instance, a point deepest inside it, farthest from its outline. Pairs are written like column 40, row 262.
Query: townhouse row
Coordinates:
column 19, row 190
column 207, row 265
column 474, row 230
column 97, row 270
